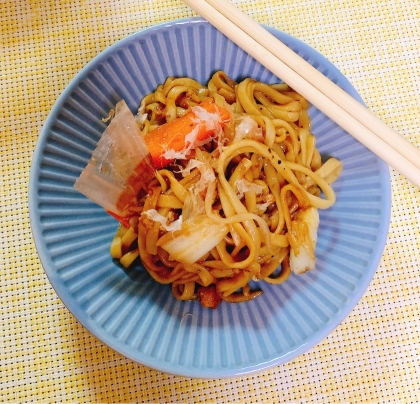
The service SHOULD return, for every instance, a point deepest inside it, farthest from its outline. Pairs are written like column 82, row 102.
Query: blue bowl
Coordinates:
column 140, row 318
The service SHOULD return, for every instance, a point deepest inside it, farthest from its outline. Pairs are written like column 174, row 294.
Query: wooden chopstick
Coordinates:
column 315, row 87
column 316, row 78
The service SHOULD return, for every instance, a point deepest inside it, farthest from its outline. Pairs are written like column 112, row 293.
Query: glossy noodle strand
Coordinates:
column 237, row 208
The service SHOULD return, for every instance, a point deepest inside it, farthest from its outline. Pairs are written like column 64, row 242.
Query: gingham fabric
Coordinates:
column 47, row 356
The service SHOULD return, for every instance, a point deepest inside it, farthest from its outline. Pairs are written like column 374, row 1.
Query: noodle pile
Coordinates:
column 240, row 207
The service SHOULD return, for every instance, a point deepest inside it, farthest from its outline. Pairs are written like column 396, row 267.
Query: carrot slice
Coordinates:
column 125, row 221
column 173, row 135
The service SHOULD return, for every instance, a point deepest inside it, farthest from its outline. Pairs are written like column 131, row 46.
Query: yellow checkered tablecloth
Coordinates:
column 47, row 356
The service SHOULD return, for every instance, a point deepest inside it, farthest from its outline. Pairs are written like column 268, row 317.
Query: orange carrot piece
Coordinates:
column 171, row 135
column 125, row 221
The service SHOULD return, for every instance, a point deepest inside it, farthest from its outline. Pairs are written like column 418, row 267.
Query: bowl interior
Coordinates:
column 130, row 312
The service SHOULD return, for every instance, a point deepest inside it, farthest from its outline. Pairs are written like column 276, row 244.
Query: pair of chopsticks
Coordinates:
column 334, row 102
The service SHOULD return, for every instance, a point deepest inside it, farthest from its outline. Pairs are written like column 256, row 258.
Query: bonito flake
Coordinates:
column 211, row 121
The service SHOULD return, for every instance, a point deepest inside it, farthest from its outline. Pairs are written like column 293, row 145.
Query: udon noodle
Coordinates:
column 241, row 206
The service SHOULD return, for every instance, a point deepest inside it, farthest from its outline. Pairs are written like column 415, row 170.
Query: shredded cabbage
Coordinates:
column 184, row 248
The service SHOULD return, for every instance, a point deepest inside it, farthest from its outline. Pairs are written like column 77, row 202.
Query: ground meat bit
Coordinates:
column 208, row 297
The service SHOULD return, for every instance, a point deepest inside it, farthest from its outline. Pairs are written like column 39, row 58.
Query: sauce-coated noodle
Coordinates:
column 240, row 206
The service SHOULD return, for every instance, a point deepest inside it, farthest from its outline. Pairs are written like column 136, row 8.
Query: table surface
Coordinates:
column 46, row 355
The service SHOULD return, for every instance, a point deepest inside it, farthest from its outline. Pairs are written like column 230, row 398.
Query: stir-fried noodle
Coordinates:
column 239, row 205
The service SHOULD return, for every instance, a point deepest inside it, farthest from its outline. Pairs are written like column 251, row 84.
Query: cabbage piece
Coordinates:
column 305, row 259
column 196, row 238
column 207, row 176
column 120, row 164
column 193, row 205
